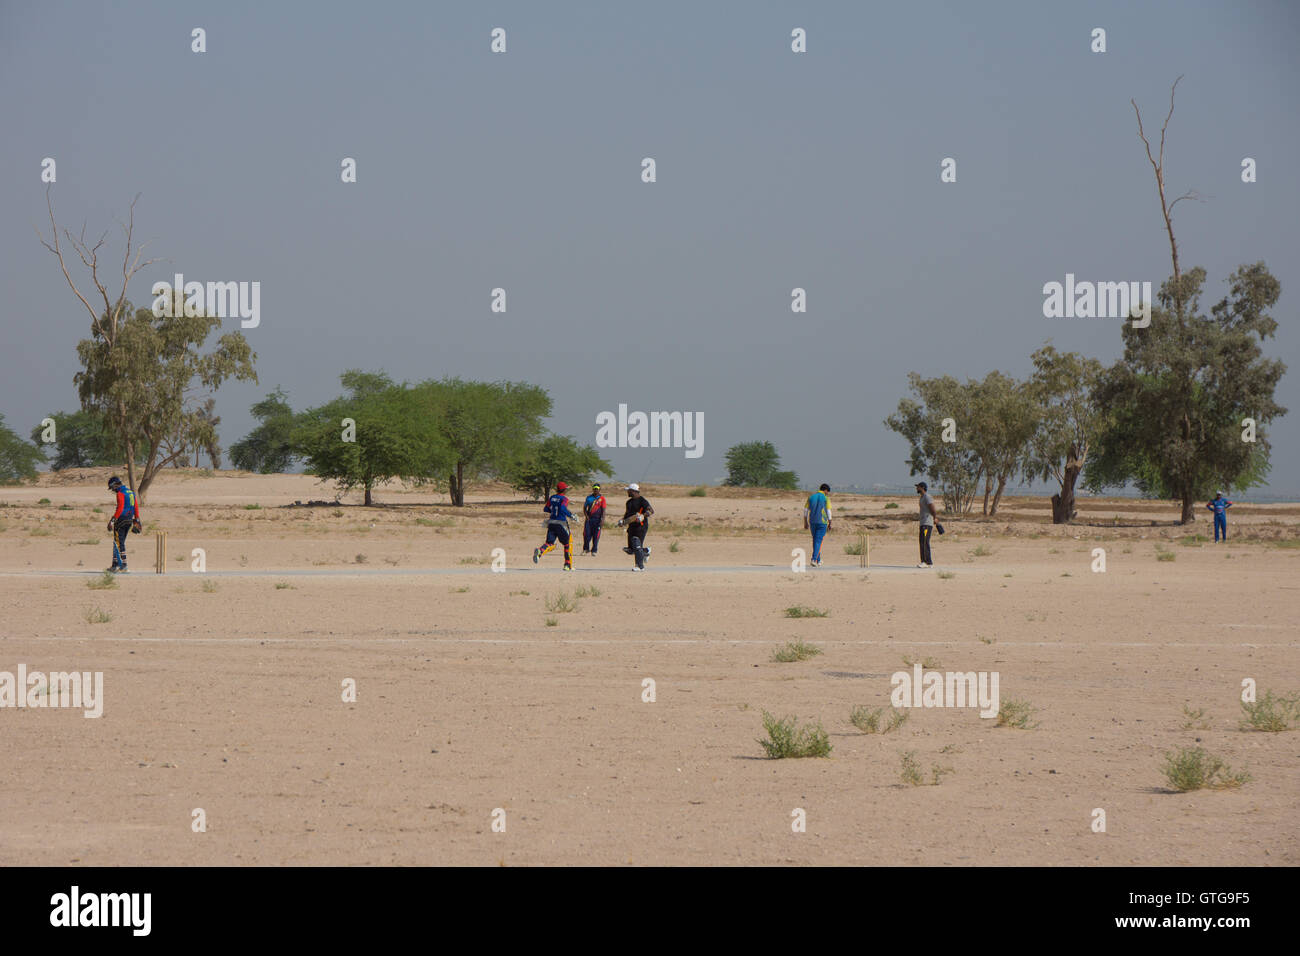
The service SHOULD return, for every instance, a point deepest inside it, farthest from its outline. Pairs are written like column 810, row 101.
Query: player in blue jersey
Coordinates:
column 557, row 526
column 1220, row 506
column 817, row 519
column 124, row 520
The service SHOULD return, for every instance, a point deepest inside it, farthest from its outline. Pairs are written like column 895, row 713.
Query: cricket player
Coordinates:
column 817, row 519
column 1220, row 506
column 125, row 519
column 928, row 522
column 593, row 511
column 557, row 526
column 637, row 519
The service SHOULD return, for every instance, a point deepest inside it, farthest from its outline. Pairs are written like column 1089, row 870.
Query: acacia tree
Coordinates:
column 556, row 458
column 757, row 464
column 140, row 372
column 18, row 459
column 390, row 438
column 80, row 441
column 487, row 426
column 1068, row 422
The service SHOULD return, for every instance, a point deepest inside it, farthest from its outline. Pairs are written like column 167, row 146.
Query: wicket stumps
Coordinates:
column 864, row 549
column 160, row 552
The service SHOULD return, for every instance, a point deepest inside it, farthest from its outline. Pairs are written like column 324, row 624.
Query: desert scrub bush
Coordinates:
column 1271, row 713
column 796, row 650
column 1192, row 768
column 551, row 622
column 284, row 586
column 981, row 551
column 866, row 719
column 584, row 591
column 1166, row 556
column 800, row 610
column 361, row 559
column 209, row 586
column 253, row 507
column 105, row 582
column 929, row 663
column 97, row 616
column 337, row 512
column 82, row 541
column 1018, row 714
column 44, row 501
column 674, row 547
column 1194, row 719
column 853, row 547
column 785, row 738
column 561, row 603
column 699, row 492
column 947, row 575
column 460, row 590
column 475, row 559
column 891, row 504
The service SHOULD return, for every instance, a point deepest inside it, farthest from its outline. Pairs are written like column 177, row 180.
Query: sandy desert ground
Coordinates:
column 222, row 690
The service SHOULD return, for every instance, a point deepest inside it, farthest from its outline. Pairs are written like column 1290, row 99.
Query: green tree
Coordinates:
column 268, row 448
column 390, row 437
column 487, row 426
column 1180, row 394
column 943, row 408
column 18, row 458
column 1003, row 422
column 80, row 441
column 148, row 378
column 756, row 464
column 1069, row 421
column 556, row 458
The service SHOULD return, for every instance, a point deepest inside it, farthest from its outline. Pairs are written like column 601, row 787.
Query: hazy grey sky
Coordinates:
column 523, row 170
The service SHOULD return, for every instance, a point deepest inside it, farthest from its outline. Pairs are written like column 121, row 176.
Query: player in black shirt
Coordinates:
column 637, row 519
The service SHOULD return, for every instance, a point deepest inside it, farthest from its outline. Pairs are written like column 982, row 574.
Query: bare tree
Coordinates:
column 1166, row 207
column 109, row 322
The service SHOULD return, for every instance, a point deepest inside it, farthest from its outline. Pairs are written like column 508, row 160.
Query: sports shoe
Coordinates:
column 635, row 568
column 585, row 552
column 923, row 565
column 537, row 555
column 568, row 567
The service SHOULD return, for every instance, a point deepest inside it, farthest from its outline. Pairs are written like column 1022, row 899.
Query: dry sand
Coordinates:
column 223, row 690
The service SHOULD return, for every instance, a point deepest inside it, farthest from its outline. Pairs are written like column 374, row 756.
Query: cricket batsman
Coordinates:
column 637, row 519
column 125, row 520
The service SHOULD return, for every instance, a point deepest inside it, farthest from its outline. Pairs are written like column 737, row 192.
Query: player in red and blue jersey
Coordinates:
column 593, row 510
column 1220, row 506
column 557, row 526
column 119, row 526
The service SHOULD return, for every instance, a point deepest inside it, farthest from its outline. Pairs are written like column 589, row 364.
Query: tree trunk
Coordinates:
column 458, row 497
column 1063, row 502
column 369, row 499
column 988, row 487
column 997, row 498
column 1189, row 510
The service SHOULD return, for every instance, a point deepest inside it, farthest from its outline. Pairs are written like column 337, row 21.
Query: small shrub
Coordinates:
column 253, row 507
column 561, row 603
column 981, row 551
column 514, row 593
column 284, row 586
column 1166, row 556
column 584, row 591
column 787, row 739
column 44, row 501
column 1272, row 713
column 1018, row 714
column 551, row 622
column 793, row 651
column 337, row 512
column 97, row 616
column 896, row 719
column 674, row 547
column 361, row 559
column 699, row 492
column 911, row 770
column 891, row 504
column 460, row 590
column 853, row 547
column 105, row 582
column 866, row 720
column 209, row 586
column 988, row 640
column 800, row 610
column 475, row 559
column 947, row 575
column 1192, row 768
column 1194, row 719
column 83, row 541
